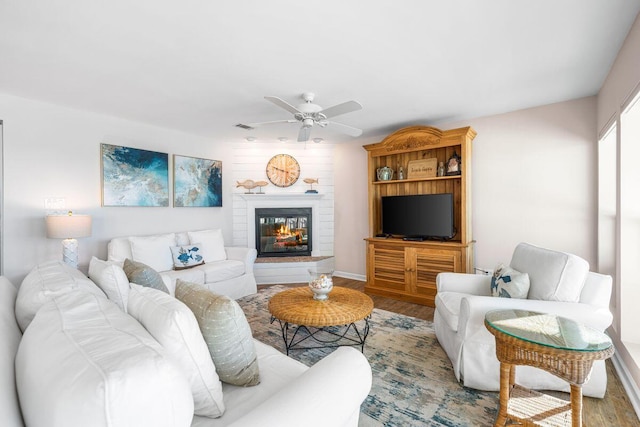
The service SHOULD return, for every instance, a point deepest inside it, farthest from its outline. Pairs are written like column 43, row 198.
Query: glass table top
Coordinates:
column 548, row 330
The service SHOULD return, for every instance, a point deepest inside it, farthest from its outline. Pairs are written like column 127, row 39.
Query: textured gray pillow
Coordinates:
column 225, row 330
column 143, row 275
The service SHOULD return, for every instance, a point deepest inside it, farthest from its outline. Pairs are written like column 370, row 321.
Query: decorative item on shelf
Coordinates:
column 453, row 165
column 441, row 169
column 425, row 168
column 384, row 173
column 321, row 283
column 68, row 227
column 261, row 184
column 400, row 172
column 311, row 181
column 248, row 184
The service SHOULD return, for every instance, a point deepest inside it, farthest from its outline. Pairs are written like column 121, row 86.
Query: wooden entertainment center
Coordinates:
column 407, row 270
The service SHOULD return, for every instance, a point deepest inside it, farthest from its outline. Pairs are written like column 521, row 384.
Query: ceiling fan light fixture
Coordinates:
column 308, row 122
column 317, row 140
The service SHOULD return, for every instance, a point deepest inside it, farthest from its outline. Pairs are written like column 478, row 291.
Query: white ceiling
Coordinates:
column 202, row 66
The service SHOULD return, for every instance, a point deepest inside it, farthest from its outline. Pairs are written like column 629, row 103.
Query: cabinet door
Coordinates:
column 387, row 267
column 428, row 263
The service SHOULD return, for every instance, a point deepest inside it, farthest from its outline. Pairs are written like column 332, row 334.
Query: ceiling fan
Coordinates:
column 310, row 114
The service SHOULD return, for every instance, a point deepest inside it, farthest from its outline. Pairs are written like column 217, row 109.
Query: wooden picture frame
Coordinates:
column 454, row 165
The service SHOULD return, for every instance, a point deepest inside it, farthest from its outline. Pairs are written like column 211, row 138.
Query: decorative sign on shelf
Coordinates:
column 425, row 168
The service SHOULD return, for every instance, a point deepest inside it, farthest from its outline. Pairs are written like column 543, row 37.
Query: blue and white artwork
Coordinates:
column 196, row 182
column 134, row 177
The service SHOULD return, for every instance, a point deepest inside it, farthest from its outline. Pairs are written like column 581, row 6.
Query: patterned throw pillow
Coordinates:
column 509, row 283
column 225, row 330
column 186, row 256
column 143, row 275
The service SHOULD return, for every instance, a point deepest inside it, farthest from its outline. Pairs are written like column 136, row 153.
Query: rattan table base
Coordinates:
column 306, row 323
column 530, row 408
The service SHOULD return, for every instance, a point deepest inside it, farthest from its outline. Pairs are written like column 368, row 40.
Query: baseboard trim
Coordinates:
column 347, row 275
column 627, row 382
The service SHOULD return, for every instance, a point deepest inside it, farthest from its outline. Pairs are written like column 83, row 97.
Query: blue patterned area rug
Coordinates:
column 413, row 381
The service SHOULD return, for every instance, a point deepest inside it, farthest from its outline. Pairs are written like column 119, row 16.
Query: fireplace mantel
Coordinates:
column 281, row 196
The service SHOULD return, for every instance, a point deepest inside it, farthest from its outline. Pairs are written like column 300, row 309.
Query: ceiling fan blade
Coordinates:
column 304, row 134
column 346, row 129
column 283, row 104
column 253, row 125
column 345, row 107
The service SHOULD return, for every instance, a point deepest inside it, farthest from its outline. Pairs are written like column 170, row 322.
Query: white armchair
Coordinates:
column 560, row 284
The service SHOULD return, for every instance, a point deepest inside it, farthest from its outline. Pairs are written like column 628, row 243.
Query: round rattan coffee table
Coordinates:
column 328, row 323
column 556, row 344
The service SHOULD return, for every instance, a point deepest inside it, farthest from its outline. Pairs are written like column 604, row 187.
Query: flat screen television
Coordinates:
column 419, row 217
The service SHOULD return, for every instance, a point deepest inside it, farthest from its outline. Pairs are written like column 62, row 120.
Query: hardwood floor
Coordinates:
column 614, row 410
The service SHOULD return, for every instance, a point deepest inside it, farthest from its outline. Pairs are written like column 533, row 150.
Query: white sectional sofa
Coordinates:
column 83, row 361
column 227, row 270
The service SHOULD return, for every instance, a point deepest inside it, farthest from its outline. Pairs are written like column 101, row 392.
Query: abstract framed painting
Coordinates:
column 196, row 182
column 134, row 177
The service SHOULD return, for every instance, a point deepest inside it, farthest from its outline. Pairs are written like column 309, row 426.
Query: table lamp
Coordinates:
column 68, row 227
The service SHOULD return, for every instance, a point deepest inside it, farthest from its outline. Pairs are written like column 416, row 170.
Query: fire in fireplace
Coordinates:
column 283, row 232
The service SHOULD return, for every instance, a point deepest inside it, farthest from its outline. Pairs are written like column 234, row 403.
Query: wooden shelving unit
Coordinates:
column 407, row 270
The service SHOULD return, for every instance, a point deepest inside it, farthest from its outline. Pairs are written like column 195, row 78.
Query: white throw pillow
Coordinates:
column 175, row 327
column 46, row 281
column 155, row 251
column 84, row 362
column 509, row 283
column 554, row 275
column 212, row 242
column 111, row 279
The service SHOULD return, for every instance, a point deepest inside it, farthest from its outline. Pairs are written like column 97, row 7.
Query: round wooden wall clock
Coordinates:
column 283, row 170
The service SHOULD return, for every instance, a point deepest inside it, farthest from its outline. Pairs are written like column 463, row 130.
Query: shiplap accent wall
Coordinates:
column 316, row 161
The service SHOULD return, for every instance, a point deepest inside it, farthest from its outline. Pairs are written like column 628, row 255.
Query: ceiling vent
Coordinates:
column 242, row 126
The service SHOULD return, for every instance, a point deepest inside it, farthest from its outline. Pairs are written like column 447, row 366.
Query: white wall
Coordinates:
column 52, row 151
column 315, row 160
column 534, row 180
column 351, row 214
column 622, row 79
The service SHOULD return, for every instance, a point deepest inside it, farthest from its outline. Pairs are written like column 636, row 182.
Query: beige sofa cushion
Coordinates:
column 143, row 275
column 225, row 330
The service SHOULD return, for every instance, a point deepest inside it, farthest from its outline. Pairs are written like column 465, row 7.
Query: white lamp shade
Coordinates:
column 68, row 226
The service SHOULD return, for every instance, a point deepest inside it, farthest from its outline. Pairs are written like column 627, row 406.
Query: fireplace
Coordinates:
column 283, row 232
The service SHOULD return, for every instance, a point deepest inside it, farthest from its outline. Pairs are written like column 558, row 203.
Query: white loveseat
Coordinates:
column 231, row 273
column 82, row 361
column 560, row 284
